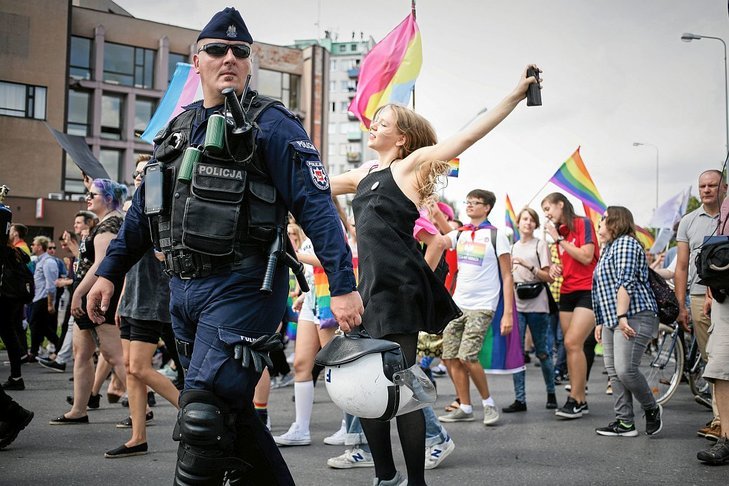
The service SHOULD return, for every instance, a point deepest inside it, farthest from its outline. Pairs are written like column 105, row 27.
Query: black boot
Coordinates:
column 16, row 419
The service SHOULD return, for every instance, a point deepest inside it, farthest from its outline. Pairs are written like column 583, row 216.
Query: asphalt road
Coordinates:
column 525, row 448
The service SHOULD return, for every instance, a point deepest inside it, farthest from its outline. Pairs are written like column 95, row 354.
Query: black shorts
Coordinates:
column 581, row 298
column 86, row 324
column 141, row 330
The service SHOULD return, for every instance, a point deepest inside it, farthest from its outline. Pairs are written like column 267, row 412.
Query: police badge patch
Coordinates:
column 318, row 174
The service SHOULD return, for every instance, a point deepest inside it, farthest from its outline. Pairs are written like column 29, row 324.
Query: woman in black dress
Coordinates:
column 401, row 294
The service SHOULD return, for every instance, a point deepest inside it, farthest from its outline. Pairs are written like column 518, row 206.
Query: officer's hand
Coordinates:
column 347, row 309
column 97, row 300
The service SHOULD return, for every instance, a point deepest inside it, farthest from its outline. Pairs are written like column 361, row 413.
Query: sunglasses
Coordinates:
column 218, row 49
column 137, row 173
column 51, row 247
column 90, row 195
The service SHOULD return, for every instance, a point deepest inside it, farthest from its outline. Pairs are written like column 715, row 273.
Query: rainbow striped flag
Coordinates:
column 592, row 215
column 645, row 237
column 183, row 89
column 455, row 165
column 502, row 354
column 511, row 219
column 323, row 299
column 574, row 178
column 388, row 72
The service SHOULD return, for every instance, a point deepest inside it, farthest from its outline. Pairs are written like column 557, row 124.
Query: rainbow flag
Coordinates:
column 388, row 72
column 645, row 237
column 574, row 178
column 455, row 165
column 183, row 89
column 592, row 215
column 502, row 354
column 511, row 219
column 323, row 308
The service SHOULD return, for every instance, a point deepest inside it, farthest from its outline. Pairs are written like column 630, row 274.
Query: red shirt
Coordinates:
column 576, row 275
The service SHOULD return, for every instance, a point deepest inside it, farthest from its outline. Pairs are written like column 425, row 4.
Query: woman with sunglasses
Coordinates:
column 143, row 317
column 104, row 199
column 625, row 310
column 576, row 242
column 401, row 294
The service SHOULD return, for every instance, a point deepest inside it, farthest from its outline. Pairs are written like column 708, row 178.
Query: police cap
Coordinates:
column 227, row 25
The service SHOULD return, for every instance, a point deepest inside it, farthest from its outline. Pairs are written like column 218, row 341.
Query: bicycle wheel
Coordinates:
column 663, row 371
column 698, row 385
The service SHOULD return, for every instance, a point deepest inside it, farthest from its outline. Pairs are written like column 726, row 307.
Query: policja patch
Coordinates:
column 318, row 174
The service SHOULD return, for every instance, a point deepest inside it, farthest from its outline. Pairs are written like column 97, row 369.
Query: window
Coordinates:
column 332, row 149
column 127, row 65
column 80, row 58
column 332, row 86
column 282, row 86
column 22, row 100
column 111, row 116
column 78, row 112
column 344, row 84
column 343, row 148
column 143, row 111
column 342, row 47
column 111, row 160
column 353, row 47
column 332, row 128
column 344, row 106
column 333, row 65
column 73, row 182
column 172, row 64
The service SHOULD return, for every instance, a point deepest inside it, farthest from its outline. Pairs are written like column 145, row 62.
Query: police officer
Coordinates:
column 215, row 226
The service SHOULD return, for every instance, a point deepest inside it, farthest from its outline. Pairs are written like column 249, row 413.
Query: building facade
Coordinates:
column 89, row 68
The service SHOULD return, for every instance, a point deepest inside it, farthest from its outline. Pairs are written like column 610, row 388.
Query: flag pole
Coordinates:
column 413, row 13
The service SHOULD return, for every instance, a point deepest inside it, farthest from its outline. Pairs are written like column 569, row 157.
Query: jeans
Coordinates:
column 435, row 433
column 622, row 358
column 538, row 323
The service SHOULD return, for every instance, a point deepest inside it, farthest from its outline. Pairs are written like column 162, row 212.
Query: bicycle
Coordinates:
column 670, row 363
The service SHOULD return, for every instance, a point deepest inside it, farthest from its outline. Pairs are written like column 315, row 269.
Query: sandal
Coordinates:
column 454, row 405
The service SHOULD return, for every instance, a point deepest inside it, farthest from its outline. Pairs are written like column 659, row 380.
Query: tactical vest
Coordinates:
column 229, row 211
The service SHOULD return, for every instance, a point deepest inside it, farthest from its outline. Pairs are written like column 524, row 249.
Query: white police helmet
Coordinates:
column 367, row 378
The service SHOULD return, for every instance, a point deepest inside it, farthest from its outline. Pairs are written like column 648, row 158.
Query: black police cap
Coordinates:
column 228, row 25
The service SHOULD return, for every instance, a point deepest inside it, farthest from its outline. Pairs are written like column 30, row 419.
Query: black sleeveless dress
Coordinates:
column 400, row 292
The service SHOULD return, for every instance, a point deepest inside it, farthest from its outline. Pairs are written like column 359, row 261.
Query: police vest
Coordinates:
column 228, row 211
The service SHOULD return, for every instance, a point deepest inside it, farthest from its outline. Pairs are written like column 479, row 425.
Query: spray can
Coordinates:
column 189, row 160
column 215, row 134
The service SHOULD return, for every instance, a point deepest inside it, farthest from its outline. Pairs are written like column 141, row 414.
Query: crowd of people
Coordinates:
column 182, row 277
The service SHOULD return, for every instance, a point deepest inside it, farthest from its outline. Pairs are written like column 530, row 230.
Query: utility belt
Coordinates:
column 250, row 353
column 188, row 264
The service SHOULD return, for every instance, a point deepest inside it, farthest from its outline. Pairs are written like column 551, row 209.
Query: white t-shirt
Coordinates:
column 307, row 248
column 528, row 253
column 478, row 268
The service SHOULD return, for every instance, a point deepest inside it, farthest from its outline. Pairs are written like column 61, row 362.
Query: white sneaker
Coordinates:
column 294, row 437
column 337, row 438
column 352, row 458
column 434, row 455
column 490, row 415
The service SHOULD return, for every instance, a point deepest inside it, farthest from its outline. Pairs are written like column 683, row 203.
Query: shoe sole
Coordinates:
column 128, row 454
column 292, row 442
column 351, row 465
column 53, row 422
column 569, row 415
column 334, row 442
column 491, row 421
column 450, row 420
column 52, row 368
column 632, row 433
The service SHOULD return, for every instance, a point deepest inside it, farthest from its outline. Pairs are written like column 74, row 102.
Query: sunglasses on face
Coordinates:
column 137, row 173
column 91, row 195
column 218, row 49
column 51, row 247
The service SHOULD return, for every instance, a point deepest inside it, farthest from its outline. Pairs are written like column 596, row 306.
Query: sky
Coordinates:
column 615, row 72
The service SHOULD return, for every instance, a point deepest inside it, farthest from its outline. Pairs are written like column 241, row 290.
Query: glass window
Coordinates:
column 129, row 66
column 111, row 116
column 353, row 47
column 332, row 86
column 143, row 111
column 344, row 106
column 344, row 129
column 333, row 65
column 282, row 86
column 72, row 180
column 342, row 47
column 172, row 64
column 80, row 58
column 78, row 112
column 332, row 149
column 111, row 160
column 342, row 148
column 22, row 100
column 332, row 128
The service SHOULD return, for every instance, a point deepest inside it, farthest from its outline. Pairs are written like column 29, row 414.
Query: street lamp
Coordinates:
column 688, row 37
column 638, row 144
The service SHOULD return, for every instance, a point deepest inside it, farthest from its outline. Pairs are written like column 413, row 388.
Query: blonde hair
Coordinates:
column 419, row 133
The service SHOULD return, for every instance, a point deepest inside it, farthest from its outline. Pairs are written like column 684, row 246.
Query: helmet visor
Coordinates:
column 419, row 384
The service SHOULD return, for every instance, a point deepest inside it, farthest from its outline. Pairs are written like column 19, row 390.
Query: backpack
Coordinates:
column 16, row 280
column 665, row 298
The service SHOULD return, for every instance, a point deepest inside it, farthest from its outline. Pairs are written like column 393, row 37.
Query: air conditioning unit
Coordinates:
column 56, row 196
column 77, row 197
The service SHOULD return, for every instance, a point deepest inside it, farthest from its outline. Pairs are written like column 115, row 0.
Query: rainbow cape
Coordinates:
column 388, row 72
column 574, row 178
column 511, row 219
column 183, row 89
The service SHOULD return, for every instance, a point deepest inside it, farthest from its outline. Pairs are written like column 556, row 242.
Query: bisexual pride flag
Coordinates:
column 388, row 72
column 183, row 89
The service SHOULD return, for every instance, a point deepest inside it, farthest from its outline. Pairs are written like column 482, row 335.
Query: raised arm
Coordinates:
column 454, row 145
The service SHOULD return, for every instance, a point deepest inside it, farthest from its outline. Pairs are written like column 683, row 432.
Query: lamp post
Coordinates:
column 688, row 37
column 639, row 144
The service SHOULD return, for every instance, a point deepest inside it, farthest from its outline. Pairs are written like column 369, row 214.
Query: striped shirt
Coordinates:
column 622, row 264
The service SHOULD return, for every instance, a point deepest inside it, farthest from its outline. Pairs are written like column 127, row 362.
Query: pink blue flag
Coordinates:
column 388, row 72
column 183, row 89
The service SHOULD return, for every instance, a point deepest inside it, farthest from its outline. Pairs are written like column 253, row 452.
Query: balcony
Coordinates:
column 354, row 157
column 353, row 73
column 354, row 136
column 351, row 91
